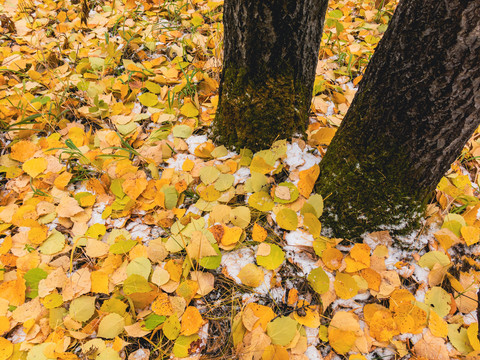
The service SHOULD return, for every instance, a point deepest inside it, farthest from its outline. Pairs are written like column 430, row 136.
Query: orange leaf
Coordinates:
column 191, row 321
column 307, row 180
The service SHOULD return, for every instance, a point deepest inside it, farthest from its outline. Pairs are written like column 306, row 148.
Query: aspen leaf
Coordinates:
column 212, row 262
column 263, row 249
column 191, row 321
column 470, row 234
column 52, row 300
column 139, row 266
column 68, row 207
column 439, row 300
column 261, row 201
column 431, row 258
column 310, row 316
column 62, row 180
column 282, row 330
column 110, row 326
column 286, row 193
column 231, row 235
column 240, row 216
column 259, row 165
column 287, row 219
column 259, row 234
column 319, row 280
column 200, row 247
column 148, row 99
column 273, row 260
column 316, row 201
column 53, row 244
column 256, row 315
column 345, row 286
column 438, row 326
column 224, row 182
column 162, row 305
column 189, row 110
column 472, row 333
column 251, row 275
column 312, row 224
column 154, row 320
column 136, row 284
column 35, row 167
column 208, row 174
column 153, row 87
column 341, row 340
column 122, row 246
column 383, row 326
column 6, row 349
column 82, row 308
column 323, row 136
column 182, row 131
column 182, row 345
column 458, row 336
column 23, row 150
column 171, row 327
column 332, row 258
column 307, row 180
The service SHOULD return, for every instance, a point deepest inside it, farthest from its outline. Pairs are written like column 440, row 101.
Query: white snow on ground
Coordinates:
column 194, row 140
column 177, row 161
column 299, row 238
column 300, row 159
column 234, row 261
column 242, row 175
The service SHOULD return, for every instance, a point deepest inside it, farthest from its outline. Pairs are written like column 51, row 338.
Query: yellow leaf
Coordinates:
column 162, row 305
column 439, row 327
column 148, row 99
column 323, row 136
column 251, row 275
column 62, row 180
column 308, row 315
column 204, row 150
column 189, row 110
column 332, row 258
column 345, row 286
column 312, row 224
column 6, row 348
column 307, row 180
column 99, row 282
column 23, row 150
column 191, row 321
column 38, row 234
column 383, row 326
column 341, row 340
column 259, row 234
column 472, row 333
column 35, row 167
column 470, row 234
column 287, row 219
column 259, row 165
column 231, row 235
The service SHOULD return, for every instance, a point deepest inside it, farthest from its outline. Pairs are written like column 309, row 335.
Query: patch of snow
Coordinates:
column 300, row 159
column 301, row 259
column 242, row 175
column 138, row 230
column 234, row 261
column 97, row 214
column 470, row 318
column 420, row 274
column 177, row 162
column 137, row 108
column 312, row 353
column 195, row 140
column 330, row 109
column 299, row 238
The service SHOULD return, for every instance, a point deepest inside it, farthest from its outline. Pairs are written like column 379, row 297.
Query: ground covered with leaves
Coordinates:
column 126, row 233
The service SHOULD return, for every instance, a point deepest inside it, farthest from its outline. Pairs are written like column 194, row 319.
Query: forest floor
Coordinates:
column 125, row 233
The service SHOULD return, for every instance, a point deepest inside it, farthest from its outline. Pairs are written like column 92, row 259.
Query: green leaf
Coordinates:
column 293, row 193
column 319, row 280
column 139, row 266
column 182, row 344
column 111, row 326
column 136, row 284
column 431, row 258
column 272, row 260
column 148, row 99
column 336, row 14
column 261, row 201
column 53, row 244
column 282, row 330
column 240, row 216
column 82, row 308
column 32, row 278
column 122, row 247
column 287, row 219
column 182, row 131
column 438, row 300
column 208, row 174
column 212, row 262
column 154, row 320
column 171, row 327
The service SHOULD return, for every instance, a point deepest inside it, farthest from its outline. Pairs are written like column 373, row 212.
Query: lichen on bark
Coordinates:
column 257, row 109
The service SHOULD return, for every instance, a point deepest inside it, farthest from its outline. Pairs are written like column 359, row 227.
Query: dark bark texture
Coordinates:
column 416, row 107
column 270, row 56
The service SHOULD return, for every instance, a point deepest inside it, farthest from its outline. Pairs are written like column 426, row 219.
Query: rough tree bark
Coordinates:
column 270, row 56
column 416, row 107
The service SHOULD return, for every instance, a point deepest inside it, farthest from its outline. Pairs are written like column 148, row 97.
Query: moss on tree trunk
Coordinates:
column 416, row 107
column 270, row 56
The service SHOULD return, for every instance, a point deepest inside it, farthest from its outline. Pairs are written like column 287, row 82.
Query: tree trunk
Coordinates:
column 416, row 107
column 270, row 56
